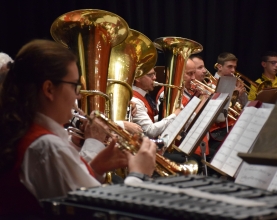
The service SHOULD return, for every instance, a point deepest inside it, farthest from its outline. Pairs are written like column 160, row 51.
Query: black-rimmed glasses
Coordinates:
column 77, row 85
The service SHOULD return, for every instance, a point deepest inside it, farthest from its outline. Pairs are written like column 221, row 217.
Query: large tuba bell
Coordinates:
column 131, row 59
column 91, row 34
column 176, row 50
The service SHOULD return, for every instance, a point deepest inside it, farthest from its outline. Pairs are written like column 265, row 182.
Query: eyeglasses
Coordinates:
column 151, row 75
column 272, row 62
column 77, row 85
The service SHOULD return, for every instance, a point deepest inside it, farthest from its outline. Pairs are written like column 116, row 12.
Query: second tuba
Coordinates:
column 131, row 59
column 176, row 51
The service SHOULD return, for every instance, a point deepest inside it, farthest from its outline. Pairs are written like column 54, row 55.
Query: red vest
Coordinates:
column 15, row 198
column 150, row 112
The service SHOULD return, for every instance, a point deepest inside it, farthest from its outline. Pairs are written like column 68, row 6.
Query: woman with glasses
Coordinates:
column 36, row 158
column 269, row 64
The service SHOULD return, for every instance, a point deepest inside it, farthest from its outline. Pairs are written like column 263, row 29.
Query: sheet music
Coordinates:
column 202, row 123
column 258, row 176
column 179, row 122
column 240, row 139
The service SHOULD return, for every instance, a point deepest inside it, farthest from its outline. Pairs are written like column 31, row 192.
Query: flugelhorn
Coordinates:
column 131, row 143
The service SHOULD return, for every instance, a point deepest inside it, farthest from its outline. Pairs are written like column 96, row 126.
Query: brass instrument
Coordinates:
column 209, row 79
column 167, row 85
column 201, row 87
column 164, row 167
column 91, row 34
column 234, row 110
column 259, row 86
column 131, row 59
column 176, row 51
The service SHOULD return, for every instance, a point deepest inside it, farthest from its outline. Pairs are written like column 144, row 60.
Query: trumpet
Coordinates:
column 131, row 143
column 233, row 110
column 209, row 79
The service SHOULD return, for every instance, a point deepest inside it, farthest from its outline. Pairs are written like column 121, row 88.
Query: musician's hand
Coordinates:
column 109, row 159
column 96, row 129
column 240, row 87
column 145, row 159
column 134, row 108
column 177, row 111
column 241, row 90
column 132, row 127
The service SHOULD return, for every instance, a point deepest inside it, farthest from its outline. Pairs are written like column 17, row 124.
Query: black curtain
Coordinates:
column 246, row 28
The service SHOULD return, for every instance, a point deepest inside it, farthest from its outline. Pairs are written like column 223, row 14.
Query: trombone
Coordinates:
column 259, row 86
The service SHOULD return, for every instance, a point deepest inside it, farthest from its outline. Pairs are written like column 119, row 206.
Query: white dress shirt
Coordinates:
column 149, row 128
column 52, row 166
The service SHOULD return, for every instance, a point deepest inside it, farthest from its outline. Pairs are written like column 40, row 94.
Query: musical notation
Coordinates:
column 240, row 139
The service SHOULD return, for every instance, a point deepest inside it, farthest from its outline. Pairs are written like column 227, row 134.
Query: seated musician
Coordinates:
column 269, row 64
column 146, row 107
column 37, row 159
column 226, row 66
column 189, row 75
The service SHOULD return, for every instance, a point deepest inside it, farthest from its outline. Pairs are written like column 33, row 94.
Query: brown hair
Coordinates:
column 224, row 57
column 35, row 62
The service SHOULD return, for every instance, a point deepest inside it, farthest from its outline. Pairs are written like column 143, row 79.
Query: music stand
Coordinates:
column 267, row 95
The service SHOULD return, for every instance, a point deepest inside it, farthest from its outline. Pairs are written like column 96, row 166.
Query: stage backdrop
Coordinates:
column 246, row 28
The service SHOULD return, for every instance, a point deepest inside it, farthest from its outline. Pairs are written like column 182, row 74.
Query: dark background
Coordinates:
column 246, row 28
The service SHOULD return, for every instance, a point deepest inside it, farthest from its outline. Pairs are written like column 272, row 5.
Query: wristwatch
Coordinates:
column 141, row 176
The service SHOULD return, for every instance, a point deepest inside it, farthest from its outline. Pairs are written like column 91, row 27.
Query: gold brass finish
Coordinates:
column 164, row 167
column 131, row 59
column 176, row 50
column 91, row 34
column 259, row 86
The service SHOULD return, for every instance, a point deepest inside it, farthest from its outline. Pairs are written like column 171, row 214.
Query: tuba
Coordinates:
column 176, row 51
column 91, row 34
column 131, row 59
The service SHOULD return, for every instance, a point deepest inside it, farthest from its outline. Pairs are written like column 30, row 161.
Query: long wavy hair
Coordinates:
column 36, row 62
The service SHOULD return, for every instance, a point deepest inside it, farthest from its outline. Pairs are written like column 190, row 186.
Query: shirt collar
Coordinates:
column 265, row 78
column 51, row 125
column 139, row 90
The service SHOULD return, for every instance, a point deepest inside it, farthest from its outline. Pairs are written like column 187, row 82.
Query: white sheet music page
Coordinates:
column 179, row 122
column 201, row 124
column 258, row 176
column 240, row 139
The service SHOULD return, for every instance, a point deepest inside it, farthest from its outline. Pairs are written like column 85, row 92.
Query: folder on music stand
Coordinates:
column 241, row 137
column 203, row 123
column 175, row 127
